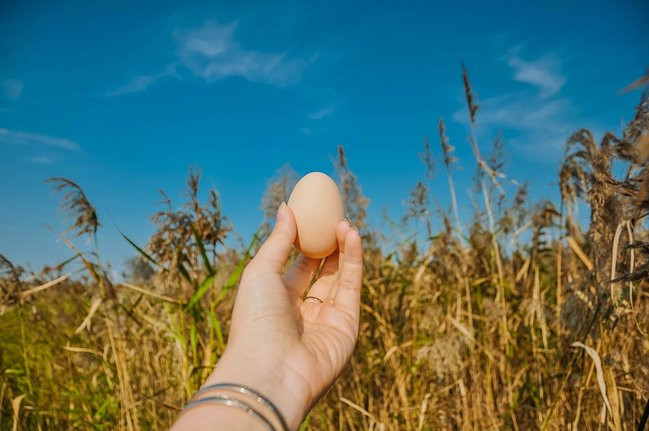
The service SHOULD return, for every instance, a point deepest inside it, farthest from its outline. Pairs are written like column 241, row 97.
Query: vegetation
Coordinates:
column 523, row 319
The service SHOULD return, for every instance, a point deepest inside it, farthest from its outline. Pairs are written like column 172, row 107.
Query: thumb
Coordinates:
column 272, row 255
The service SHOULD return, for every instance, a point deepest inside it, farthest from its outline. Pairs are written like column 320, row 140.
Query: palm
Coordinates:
column 329, row 331
column 315, row 335
column 325, row 332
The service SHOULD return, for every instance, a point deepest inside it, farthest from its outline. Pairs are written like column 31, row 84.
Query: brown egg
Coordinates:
column 318, row 207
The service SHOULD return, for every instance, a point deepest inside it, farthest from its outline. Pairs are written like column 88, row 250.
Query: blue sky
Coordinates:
column 123, row 97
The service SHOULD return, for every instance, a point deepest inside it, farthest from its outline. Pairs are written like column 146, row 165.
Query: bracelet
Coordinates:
column 250, row 393
column 232, row 402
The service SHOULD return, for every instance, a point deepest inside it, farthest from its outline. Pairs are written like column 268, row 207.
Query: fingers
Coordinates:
column 341, row 231
column 300, row 274
column 348, row 294
column 334, row 261
column 331, row 269
column 325, row 286
column 330, row 266
column 272, row 255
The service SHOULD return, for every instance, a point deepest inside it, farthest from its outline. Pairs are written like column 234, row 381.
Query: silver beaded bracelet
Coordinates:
column 235, row 402
column 232, row 402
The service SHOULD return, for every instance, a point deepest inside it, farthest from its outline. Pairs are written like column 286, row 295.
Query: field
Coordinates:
column 518, row 317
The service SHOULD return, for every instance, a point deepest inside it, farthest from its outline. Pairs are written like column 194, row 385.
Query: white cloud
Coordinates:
column 537, row 121
column 41, row 160
column 11, row 137
column 542, row 72
column 322, row 113
column 212, row 53
column 536, row 126
column 12, row 88
column 210, row 40
column 143, row 82
column 520, row 111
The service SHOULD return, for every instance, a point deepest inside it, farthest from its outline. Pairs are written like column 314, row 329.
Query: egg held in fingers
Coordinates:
column 317, row 207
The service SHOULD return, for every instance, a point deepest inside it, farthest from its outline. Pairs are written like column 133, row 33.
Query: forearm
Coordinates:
column 210, row 417
column 285, row 351
column 278, row 384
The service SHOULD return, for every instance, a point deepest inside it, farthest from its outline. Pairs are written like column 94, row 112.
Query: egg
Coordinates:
column 317, row 207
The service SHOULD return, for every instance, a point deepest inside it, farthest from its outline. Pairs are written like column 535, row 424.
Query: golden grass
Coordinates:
column 522, row 319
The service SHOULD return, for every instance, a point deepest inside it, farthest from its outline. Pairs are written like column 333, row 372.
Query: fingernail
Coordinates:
column 281, row 212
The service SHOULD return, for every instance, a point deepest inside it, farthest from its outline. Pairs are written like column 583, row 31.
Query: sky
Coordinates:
column 124, row 97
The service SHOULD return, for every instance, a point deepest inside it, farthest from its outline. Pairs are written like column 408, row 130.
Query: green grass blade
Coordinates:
column 193, row 340
column 181, row 268
column 230, row 282
column 65, row 262
column 238, row 271
column 183, row 271
column 201, row 248
column 216, row 325
column 142, row 252
column 202, row 289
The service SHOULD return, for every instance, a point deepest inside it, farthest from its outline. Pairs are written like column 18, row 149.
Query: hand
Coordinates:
column 287, row 348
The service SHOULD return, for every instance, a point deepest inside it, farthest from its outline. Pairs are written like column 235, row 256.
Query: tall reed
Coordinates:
column 514, row 317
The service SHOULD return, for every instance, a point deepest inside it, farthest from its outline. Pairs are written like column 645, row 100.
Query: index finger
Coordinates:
column 348, row 294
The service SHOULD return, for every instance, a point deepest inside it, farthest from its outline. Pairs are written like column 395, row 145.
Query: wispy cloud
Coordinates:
column 542, row 72
column 11, row 88
column 519, row 111
column 12, row 137
column 143, row 82
column 537, row 126
column 212, row 53
column 322, row 113
column 536, row 121
column 41, row 160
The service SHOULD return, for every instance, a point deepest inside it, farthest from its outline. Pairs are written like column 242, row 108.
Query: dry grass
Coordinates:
column 523, row 319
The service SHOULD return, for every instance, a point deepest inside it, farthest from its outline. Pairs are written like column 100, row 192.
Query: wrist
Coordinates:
column 281, row 385
column 206, row 416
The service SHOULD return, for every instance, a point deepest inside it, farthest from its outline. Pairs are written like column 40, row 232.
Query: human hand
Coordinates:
column 287, row 348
